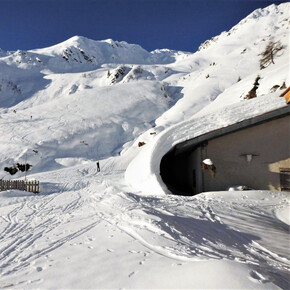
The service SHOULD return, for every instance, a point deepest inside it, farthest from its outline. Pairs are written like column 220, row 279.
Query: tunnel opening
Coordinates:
column 178, row 170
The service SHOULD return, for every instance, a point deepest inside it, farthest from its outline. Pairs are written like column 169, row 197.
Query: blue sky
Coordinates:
column 173, row 24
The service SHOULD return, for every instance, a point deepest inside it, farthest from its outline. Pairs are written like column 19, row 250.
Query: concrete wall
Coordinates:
column 270, row 141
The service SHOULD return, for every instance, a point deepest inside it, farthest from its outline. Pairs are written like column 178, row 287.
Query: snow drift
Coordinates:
column 65, row 107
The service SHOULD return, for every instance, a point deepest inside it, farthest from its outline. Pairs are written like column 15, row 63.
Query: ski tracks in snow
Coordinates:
column 36, row 227
column 192, row 229
column 185, row 229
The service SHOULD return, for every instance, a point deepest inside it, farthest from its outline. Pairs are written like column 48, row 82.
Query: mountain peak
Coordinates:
column 271, row 9
column 77, row 39
column 269, row 18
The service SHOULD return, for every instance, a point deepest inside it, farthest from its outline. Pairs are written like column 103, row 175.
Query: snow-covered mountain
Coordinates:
column 64, row 107
column 107, row 93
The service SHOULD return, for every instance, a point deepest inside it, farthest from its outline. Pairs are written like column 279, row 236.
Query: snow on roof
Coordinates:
column 256, row 120
column 143, row 172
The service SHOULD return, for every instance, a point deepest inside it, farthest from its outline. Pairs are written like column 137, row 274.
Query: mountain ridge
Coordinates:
column 68, row 78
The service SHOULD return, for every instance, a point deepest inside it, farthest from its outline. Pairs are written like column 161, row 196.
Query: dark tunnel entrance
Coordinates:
column 181, row 172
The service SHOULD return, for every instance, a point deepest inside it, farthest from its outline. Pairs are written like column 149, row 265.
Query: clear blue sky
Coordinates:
column 174, row 24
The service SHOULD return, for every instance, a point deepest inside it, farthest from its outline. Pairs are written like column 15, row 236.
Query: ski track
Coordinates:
column 179, row 228
column 160, row 217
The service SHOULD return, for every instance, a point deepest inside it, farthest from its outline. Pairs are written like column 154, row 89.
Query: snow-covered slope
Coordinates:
column 64, row 107
column 224, row 71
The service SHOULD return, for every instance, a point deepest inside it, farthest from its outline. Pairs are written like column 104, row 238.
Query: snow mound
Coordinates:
column 143, row 172
column 283, row 214
column 68, row 162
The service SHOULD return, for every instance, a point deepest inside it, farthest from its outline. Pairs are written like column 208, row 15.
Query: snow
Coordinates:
column 207, row 161
column 119, row 239
column 65, row 107
column 283, row 215
column 141, row 172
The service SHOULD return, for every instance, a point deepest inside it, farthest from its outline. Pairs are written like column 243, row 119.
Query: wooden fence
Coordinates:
column 26, row 185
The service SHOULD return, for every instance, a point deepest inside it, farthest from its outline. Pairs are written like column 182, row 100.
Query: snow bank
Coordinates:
column 283, row 214
column 143, row 173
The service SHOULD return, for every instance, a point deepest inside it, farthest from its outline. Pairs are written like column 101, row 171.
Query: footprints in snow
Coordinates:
column 131, row 274
column 142, row 262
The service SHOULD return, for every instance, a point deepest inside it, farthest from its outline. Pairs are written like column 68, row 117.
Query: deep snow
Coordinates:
column 64, row 107
column 90, row 231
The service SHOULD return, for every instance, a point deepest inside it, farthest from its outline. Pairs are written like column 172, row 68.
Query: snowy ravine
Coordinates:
column 65, row 107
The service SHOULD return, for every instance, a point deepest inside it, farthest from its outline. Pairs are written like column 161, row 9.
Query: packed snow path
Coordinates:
column 42, row 233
